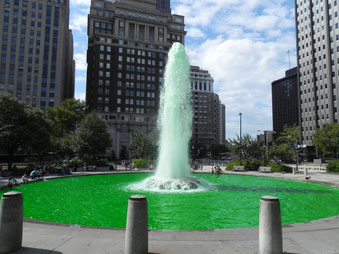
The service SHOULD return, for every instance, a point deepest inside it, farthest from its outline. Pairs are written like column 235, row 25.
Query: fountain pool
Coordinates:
column 102, row 201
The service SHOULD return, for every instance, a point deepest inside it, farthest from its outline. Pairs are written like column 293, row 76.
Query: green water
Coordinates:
column 102, row 201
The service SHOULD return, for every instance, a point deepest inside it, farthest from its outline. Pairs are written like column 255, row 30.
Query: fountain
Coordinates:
column 175, row 128
column 176, row 200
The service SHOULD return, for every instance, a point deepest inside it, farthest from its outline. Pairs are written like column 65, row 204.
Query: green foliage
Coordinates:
column 22, row 127
column 279, row 168
column 230, row 165
column 67, row 116
column 283, row 149
column 289, row 135
column 253, row 165
column 65, row 119
column 248, row 147
column 333, row 166
column 40, row 131
column 326, row 139
column 217, row 149
column 76, row 162
column 140, row 163
column 142, row 146
column 92, row 136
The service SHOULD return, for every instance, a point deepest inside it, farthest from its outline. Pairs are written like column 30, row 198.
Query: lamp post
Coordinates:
column 240, row 115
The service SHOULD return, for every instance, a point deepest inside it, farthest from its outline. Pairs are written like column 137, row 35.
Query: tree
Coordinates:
column 326, row 139
column 12, row 125
column 248, row 146
column 40, row 128
column 21, row 127
column 217, row 149
column 92, row 137
column 285, row 146
column 142, row 146
column 65, row 119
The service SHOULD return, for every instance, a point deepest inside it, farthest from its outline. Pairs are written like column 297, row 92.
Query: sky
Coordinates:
column 245, row 46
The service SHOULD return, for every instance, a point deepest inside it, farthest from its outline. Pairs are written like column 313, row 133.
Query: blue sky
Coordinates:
column 243, row 44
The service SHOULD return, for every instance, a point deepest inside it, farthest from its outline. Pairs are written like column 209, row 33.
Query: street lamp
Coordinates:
column 240, row 115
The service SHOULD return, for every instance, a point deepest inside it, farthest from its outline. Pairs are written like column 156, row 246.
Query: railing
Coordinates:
column 309, row 168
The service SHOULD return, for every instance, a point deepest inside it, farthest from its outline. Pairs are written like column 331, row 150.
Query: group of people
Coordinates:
column 216, row 170
column 34, row 175
column 127, row 164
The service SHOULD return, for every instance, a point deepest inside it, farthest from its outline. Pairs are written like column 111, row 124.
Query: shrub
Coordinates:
column 253, row 165
column 233, row 163
column 279, row 168
column 333, row 166
column 140, row 163
column 76, row 162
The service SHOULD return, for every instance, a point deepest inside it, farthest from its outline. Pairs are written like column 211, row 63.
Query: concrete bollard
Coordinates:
column 11, row 213
column 270, row 232
column 136, row 240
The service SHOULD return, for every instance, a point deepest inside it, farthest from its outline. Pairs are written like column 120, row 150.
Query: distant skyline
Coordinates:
column 243, row 44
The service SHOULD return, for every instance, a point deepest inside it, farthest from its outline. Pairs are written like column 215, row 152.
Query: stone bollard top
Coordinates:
column 138, row 198
column 12, row 194
column 270, row 198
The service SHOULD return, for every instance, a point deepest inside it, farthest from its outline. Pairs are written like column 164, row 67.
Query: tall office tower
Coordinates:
column 285, row 107
column 318, row 64
column 164, row 6
column 209, row 114
column 128, row 42
column 36, row 64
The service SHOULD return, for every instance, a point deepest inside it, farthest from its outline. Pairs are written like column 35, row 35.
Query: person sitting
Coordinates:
column 33, row 174
column 15, row 181
column 24, row 179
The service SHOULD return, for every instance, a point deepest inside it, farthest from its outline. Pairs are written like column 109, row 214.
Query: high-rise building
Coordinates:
column 128, row 42
column 164, row 6
column 318, row 64
column 36, row 64
column 209, row 114
column 285, row 101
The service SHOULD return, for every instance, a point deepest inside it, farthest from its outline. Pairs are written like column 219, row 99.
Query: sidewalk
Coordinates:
column 315, row 237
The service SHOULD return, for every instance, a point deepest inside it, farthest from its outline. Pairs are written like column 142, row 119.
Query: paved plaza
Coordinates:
column 318, row 237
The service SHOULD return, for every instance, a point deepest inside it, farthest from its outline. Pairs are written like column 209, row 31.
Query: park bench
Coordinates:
column 238, row 168
column 264, row 169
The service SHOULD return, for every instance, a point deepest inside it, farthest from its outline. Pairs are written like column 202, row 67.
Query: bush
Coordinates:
column 231, row 164
column 279, row 168
column 253, row 165
column 140, row 163
column 76, row 162
column 333, row 166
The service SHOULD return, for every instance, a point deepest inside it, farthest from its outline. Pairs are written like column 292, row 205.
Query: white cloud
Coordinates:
column 81, row 2
column 79, row 22
column 243, row 70
column 195, row 33
column 80, row 59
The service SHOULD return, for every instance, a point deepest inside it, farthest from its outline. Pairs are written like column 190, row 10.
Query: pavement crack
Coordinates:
column 67, row 240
